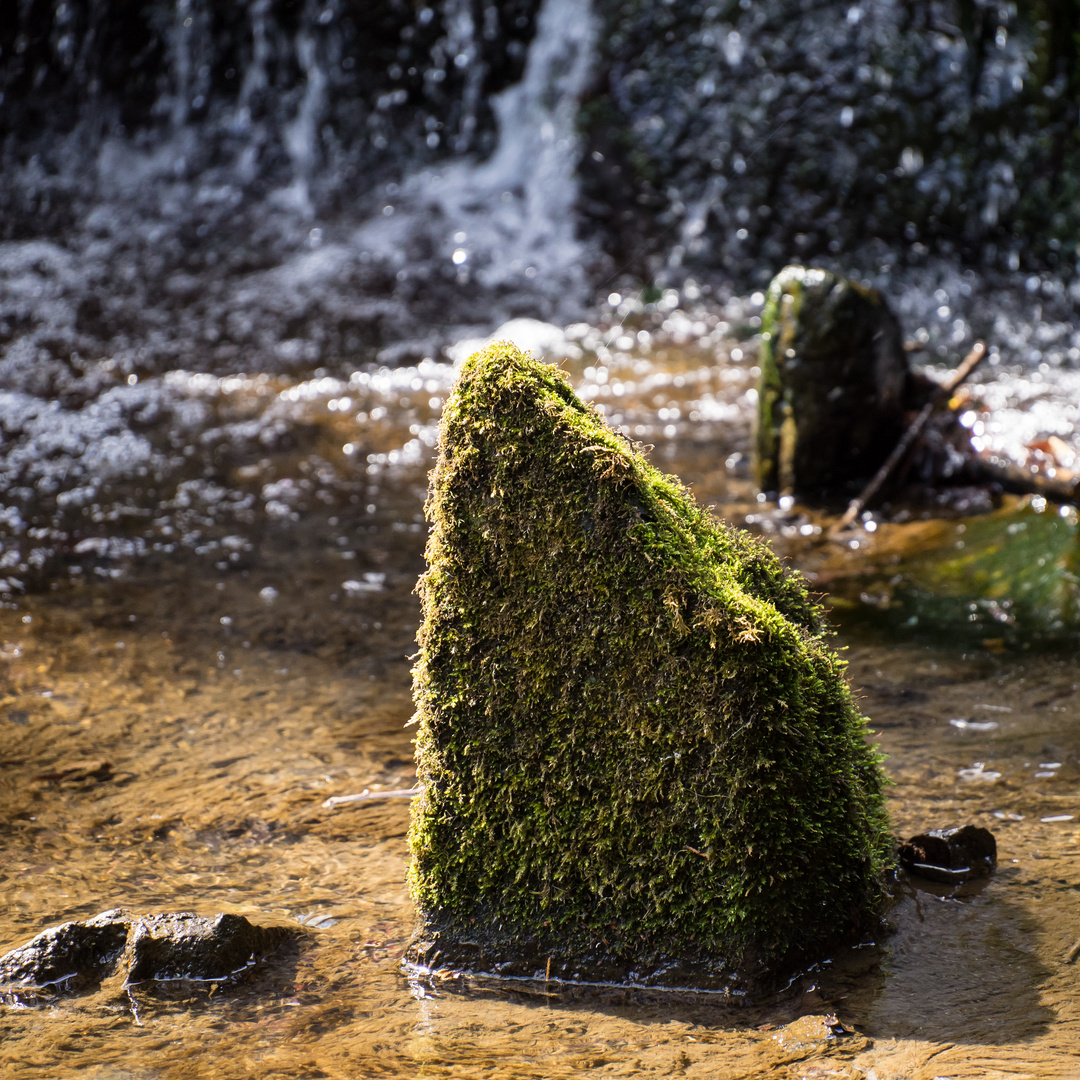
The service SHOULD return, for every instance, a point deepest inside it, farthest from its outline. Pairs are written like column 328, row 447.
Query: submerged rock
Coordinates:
column 834, row 383
column 1007, row 579
column 160, row 948
column 812, row 1032
column 639, row 757
column 950, row 855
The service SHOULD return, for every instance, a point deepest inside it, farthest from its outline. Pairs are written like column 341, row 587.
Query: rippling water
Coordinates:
column 219, row 606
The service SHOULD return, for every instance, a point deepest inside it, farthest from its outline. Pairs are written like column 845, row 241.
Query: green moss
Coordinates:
column 633, row 739
column 1015, row 582
column 772, row 445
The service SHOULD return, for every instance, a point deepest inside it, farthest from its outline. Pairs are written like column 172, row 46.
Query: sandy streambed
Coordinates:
column 168, row 741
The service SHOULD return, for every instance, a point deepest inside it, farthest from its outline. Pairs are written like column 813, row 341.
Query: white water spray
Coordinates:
column 509, row 221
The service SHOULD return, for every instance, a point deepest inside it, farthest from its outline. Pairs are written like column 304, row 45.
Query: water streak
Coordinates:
column 509, row 222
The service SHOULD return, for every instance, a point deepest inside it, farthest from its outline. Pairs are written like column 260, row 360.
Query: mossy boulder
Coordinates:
column 834, row 384
column 639, row 756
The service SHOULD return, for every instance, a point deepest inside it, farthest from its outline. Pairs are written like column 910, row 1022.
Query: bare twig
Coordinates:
column 371, row 796
column 943, row 392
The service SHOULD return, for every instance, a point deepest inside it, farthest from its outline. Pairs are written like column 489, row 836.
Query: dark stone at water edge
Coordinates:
column 834, row 383
column 159, row 948
column 188, row 946
column 640, row 759
column 950, row 855
column 70, row 955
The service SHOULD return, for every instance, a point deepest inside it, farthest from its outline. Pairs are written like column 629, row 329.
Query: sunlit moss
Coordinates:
column 1006, row 579
column 633, row 740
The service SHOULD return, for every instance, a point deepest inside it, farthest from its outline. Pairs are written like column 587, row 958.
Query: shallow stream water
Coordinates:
column 200, row 664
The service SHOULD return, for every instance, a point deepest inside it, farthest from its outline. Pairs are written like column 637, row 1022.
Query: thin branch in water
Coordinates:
column 371, row 796
column 942, row 393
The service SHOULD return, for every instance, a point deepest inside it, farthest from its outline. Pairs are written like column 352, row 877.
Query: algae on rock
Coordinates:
column 834, row 383
column 639, row 758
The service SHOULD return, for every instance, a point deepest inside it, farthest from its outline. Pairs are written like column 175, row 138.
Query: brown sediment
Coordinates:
column 224, row 814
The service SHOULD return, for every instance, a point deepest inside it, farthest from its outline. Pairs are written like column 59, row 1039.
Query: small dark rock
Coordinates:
column 189, row 946
column 950, row 855
column 74, row 954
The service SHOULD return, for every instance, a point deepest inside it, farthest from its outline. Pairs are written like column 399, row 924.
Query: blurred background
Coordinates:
column 278, row 185
column 303, row 197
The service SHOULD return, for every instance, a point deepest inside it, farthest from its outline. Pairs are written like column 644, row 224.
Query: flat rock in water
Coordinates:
column 950, row 856
column 159, row 948
column 810, row 1033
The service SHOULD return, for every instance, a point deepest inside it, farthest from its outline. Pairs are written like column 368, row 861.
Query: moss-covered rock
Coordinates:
column 1014, row 582
column 639, row 756
column 834, row 381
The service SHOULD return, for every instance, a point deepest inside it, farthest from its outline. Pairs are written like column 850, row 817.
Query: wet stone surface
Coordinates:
column 188, row 946
column 834, row 383
column 950, row 856
column 68, row 956
column 142, row 948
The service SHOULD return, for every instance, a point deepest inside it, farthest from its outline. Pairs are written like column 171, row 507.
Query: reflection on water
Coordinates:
column 235, row 645
column 1005, row 579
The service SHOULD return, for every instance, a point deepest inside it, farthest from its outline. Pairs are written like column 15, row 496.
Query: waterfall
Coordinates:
column 465, row 53
column 508, row 222
column 301, row 135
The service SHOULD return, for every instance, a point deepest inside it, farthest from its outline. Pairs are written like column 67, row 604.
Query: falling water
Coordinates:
column 508, row 222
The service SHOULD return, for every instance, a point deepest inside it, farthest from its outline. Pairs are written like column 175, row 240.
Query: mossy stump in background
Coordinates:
column 834, row 384
column 639, row 758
